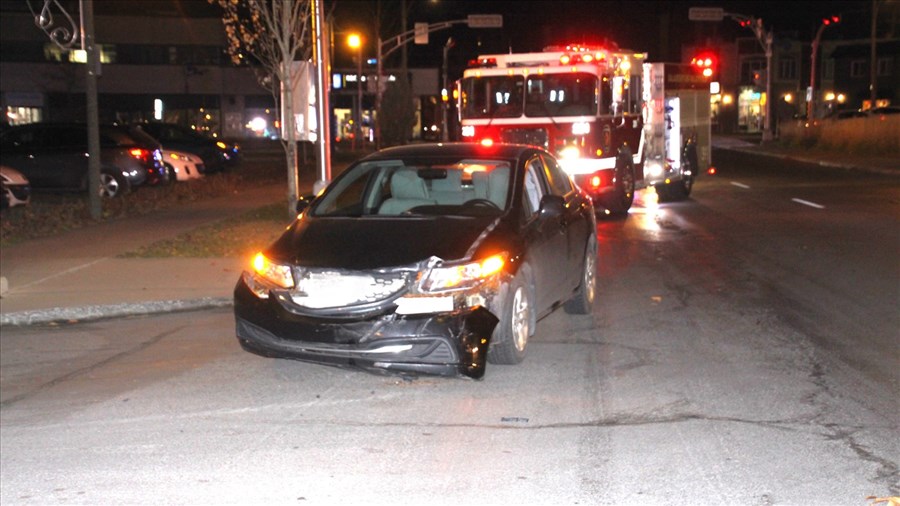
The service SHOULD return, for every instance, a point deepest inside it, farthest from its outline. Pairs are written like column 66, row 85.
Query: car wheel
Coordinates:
column 680, row 190
column 515, row 327
column 112, row 185
column 623, row 196
column 171, row 175
column 583, row 300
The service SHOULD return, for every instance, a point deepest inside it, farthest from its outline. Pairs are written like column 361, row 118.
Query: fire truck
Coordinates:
column 616, row 122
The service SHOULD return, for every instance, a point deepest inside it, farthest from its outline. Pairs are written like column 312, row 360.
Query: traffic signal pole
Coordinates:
column 765, row 39
column 385, row 48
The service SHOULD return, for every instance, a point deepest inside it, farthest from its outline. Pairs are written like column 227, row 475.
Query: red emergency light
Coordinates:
column 482, row 63
column 705, row 63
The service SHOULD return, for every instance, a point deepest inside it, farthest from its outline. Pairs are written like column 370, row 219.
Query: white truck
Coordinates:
column 677, row 132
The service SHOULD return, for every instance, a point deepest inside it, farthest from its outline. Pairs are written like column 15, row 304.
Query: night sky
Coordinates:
column 657, row 27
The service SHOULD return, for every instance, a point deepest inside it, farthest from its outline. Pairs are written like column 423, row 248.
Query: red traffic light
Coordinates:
column 832, row 19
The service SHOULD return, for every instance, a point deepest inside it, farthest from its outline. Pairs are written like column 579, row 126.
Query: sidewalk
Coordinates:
column 77, row 276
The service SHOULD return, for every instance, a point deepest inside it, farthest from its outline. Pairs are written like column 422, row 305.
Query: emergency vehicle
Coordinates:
column 616, row 122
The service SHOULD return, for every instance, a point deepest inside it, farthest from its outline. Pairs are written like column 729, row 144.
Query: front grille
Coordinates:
column 326, row 289
column 530, row 136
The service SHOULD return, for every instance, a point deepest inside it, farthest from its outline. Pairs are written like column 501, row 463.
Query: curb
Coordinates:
column 93, row 313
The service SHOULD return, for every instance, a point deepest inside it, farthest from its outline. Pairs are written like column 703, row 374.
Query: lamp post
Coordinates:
column 355, row 42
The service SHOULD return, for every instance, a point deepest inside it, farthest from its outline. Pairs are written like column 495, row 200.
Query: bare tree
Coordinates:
column 275, row 33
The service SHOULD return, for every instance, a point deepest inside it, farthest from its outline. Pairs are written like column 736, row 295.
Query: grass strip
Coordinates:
column 241, row 236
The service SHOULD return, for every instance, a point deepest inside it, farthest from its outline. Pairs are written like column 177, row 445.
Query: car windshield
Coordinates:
column 460, row 187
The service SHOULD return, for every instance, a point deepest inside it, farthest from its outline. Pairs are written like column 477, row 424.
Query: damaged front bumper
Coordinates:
column 378, row 339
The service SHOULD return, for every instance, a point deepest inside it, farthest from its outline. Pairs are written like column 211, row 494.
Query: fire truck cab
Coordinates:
column 591, row 106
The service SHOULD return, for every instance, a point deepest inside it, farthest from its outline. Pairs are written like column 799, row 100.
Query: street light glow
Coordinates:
column 354, row 41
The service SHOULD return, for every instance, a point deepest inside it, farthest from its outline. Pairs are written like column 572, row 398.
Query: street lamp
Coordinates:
column 355, row 42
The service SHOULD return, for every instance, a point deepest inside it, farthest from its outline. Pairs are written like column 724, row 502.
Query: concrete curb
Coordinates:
column 91, row 313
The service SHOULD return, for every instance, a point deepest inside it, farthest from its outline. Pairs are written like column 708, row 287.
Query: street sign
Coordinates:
column 485, row 20
column 706, row 14
column 421, row 34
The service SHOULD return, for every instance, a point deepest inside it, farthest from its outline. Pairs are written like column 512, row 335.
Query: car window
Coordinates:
column 533, row 190
column 115, row 137
column 434, row 187
column 22, row 138
column 560, row 183
column 66, row 137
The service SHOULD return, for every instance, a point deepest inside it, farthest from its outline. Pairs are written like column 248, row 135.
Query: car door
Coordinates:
column 577, row 226
column 17, row 150
column 64, row 156
column 545, row 235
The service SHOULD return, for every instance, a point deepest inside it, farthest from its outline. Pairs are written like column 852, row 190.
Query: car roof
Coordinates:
column 455, row 149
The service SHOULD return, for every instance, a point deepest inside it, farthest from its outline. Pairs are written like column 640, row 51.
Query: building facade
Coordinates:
column 161, row 66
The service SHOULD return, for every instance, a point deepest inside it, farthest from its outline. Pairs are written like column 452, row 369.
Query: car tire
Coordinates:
column 510, row 340
column 681, row 189
column 583, row 300
column 171, row 175
column 623, row 196
column 113, row 185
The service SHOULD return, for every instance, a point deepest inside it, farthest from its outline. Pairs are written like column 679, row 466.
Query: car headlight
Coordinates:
column 275, row 273
column 458, row 277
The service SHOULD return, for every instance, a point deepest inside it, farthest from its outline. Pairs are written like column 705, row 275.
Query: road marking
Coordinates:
column 740, row 185
column 808, row 203
column 62, row 273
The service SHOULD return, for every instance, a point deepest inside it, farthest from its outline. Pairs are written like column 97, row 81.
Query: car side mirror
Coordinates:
column 304, row 202
column 553, row 205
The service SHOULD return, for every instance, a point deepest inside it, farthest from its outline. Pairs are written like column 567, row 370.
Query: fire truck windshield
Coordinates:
column 492, row 97
column 546, row 95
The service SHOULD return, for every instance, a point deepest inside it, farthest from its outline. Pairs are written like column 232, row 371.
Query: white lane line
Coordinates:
column 740, row 185
column 62, row 273
column 808, row 203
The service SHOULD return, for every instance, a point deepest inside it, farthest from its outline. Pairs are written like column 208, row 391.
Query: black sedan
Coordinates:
column 426, row 259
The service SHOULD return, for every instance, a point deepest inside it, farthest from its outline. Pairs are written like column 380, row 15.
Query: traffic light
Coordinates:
column 706, row 63
column 759, row 78
column 831, row 20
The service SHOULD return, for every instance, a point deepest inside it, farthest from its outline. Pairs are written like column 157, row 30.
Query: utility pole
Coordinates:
column 873, row 79
column 65, row 36
column 323, row 108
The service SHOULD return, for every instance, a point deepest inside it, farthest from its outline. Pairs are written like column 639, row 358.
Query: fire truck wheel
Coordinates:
column 680, row 190
column 619, row 202
column 515, row 326
column 583, row 300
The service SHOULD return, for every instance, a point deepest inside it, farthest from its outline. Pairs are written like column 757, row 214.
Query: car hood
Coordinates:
column 376, row 242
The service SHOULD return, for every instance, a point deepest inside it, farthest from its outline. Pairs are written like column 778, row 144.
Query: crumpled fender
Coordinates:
column 474, row 340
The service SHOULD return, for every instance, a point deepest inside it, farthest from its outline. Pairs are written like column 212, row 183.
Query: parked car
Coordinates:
column 14, row 188
column 888, row 109
column 216, row 155
column 431, row 258
column 181, row 165
column 53, row 156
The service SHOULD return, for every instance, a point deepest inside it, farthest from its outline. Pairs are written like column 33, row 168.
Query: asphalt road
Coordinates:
column 744, row 351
